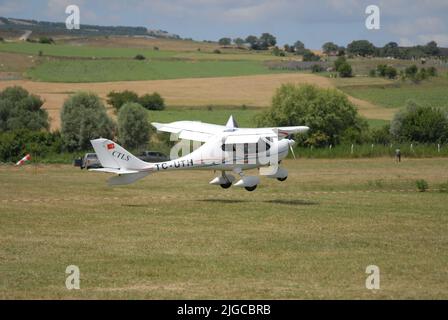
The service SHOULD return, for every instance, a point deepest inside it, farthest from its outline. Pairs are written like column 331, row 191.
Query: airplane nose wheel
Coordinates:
column 282, row 179
column 251, row 188
column 226, row 185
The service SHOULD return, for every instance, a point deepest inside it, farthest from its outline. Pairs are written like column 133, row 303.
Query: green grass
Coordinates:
column 123, row 70
column 61, row 50
column 173, row 236
column 432, row 92
column 217, row 115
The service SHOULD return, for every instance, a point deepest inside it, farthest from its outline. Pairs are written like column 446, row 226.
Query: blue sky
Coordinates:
column 407, row 22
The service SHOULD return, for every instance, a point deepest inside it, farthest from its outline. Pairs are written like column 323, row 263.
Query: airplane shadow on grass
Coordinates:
column 297, row 202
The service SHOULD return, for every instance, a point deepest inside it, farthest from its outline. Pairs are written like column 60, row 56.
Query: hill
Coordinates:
column 59, row 28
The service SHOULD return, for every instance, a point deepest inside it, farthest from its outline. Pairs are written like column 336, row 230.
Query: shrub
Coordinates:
column 133, row 125
column 117, row 99
column 432, row 71
column 411, row 71
column 391, row 72
column 422, row 185
column 15, row 144
column 381, row 69
column 316, row 68
column 345, row 70
column 1, row 39
column 217, row 51
column 152, row 101
column 20, row 110
column 46, row 40
column 84, row 117
column 156, row 48
column 140, row 57
column 372, row 73
column 338, row 62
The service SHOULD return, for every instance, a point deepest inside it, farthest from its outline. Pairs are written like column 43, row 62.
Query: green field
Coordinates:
column 172, row 235
column 213, row 114
column 123, row 70
column 87, row 51
column 431, row 92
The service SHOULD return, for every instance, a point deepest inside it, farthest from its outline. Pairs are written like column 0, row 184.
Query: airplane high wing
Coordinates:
column 199, row 131
column 228, row 149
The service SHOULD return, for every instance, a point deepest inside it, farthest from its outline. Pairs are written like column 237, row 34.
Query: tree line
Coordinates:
column 332, row 118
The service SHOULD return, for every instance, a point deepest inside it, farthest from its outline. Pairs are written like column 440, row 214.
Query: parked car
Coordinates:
column 89, row 160
column 153, row 156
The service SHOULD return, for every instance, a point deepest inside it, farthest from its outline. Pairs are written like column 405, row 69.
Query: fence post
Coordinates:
column 412, row 147
column 351, row 151
column 438, row 147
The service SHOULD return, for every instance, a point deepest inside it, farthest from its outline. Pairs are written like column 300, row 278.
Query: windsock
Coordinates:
column 22, row 161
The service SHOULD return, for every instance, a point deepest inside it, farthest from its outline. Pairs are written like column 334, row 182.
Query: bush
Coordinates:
column 420, row 124
column 422, row 185
column 133, row 125
column 372, row 73
column 1, row 39
column 391, row 72
column 315, row 68
column 432, row 71
column 152, row 101
column 84, row 117
column 217, row 51
column 20, row 110
column 117, row 99
column 345, row 70
column 328, row 113
column 46, row 40
column 140, row 57
column 411, row 71
column 310, row 56
column 381, row 69
column 17, row 143
column 338, row 62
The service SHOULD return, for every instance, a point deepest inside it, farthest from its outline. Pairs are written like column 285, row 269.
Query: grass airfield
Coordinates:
column 172, row 235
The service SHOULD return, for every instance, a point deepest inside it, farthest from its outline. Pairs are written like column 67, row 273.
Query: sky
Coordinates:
column 314, row 22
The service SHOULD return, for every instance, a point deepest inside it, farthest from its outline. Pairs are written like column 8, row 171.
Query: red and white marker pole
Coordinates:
column 23, row 160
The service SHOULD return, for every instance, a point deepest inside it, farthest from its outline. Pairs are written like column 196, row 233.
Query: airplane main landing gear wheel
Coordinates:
column 226, row 185
column 251, row 188
column 282, row 179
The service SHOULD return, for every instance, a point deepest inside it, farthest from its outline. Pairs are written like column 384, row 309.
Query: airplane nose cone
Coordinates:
column 291, row 142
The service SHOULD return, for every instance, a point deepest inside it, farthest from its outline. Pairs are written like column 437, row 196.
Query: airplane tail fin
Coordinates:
column 113, row 156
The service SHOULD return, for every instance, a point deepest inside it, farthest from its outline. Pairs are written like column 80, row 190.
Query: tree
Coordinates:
column 381, row 68
column 308, row 55
column 420, row 124
column 117, row 99
column 238, row 41
column 152, row 101
column 345, row 70
column 267, row 40
column 252, row 40
column 133, row 125
column 338, row 62
column 411, row 71
column 84, row 117
column 361, row 48
column 431, row 48
column 391, row 72
column 299, row 47
column 225, row 41
column 343, row 67
column 21, row 110
column 330, row 48
column 328, row 113
column 391, row 50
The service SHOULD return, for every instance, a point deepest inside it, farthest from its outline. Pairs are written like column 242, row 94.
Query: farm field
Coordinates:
column 174, row 236
column 132, row 70
column 432, row 92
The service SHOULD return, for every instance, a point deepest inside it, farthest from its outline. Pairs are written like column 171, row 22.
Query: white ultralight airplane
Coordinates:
column 228, row 149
